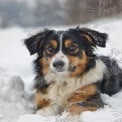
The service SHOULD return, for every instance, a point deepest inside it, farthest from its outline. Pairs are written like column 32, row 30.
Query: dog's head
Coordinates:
column 67, row 52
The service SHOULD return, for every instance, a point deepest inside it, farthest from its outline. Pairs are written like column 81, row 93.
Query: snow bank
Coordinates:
column 14, row 101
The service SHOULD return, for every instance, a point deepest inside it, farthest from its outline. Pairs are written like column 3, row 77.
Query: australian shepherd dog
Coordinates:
column 69, row 75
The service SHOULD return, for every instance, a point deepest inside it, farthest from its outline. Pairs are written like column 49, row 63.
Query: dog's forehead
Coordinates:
column 70, row 33
column 59, row 32
column 63, row 35
column 65, row 32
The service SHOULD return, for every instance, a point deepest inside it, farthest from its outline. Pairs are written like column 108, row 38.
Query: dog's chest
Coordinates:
column 59, row 94
column 63, row 87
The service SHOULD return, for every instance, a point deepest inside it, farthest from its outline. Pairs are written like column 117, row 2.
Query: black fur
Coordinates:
column 112, row 81
column 35, row 43
column 98, row 38
column 93, row 101
column 40, row 81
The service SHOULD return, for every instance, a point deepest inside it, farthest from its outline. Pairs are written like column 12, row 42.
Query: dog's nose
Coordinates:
column 58, row 64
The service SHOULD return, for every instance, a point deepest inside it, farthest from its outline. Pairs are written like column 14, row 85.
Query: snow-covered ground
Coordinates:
column 16, row 78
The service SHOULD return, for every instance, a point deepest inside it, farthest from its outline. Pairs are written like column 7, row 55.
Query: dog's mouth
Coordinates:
column 60, row 70
column 64, row 71
column 72, row 68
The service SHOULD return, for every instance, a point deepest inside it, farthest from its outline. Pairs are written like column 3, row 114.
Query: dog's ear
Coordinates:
column 94, row 37
column 35, row 43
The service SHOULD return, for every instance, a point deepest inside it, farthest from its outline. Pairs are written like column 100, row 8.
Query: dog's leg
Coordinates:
column 45, row 106
column 91, row 104
column 83, row 93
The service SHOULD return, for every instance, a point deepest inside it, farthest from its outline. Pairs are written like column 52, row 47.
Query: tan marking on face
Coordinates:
column 45, row 62
column 67, row 43
column 40, row 101
column 80, row 64
column 83, row 93
column 75, row 109
column 54, row 43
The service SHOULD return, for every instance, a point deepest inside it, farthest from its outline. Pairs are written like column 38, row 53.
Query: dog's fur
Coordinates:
column 69, row 76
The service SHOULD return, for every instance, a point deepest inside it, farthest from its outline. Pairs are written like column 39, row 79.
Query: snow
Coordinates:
column 14, row 100
column 14, row 55
column 16, row 79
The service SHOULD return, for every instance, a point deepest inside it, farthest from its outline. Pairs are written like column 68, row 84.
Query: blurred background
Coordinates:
column 20, row 19
column 41, row 13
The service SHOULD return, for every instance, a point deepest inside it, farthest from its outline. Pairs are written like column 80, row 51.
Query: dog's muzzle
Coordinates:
column 59, row 66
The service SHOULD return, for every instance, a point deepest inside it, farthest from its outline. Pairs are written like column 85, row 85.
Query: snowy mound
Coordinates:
column 14, row 101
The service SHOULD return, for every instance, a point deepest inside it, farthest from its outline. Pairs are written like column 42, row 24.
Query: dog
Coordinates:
column 69, row 75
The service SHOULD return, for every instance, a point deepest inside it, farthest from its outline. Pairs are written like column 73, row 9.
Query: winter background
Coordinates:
column 20, row 19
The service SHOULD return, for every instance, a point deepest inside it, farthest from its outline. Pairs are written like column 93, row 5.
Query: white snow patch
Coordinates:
column 14, row 100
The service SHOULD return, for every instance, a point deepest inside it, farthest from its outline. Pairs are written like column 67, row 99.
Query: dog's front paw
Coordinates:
column 45, row 112
column 49, row 111
column 74, row 109
column 68, row 117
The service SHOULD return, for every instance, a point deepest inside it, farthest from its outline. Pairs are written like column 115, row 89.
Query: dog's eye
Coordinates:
column 72, row 48
column 50, row 49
